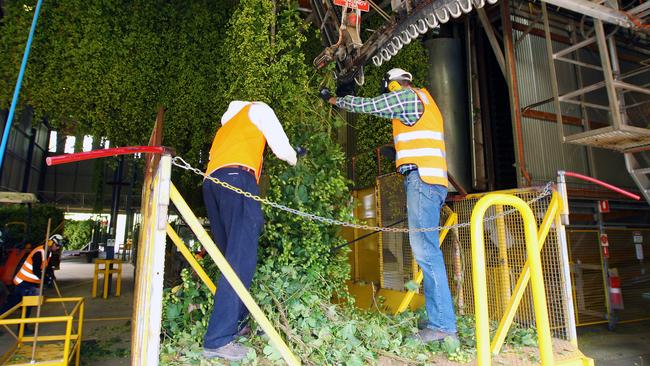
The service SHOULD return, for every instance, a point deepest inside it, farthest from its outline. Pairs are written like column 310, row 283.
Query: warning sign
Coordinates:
column 604, row 240
column 354, row 4
column 603, row 206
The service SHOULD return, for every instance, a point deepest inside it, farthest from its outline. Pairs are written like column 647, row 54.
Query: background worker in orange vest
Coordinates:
column 418, row 134
column 236, row 222
column 33, row 270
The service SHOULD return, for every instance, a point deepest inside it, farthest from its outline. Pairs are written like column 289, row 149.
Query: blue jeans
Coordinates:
column 423, row 202
column 236, row 223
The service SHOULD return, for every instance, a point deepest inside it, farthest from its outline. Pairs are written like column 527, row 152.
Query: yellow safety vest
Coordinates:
column 26, row 272
column 238, row 142
column 423, row 143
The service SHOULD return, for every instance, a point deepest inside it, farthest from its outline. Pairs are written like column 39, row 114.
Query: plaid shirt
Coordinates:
column 403, row 105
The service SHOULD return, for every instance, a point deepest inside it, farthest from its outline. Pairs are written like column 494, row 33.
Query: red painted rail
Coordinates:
column 96, row 154
column 603, row 184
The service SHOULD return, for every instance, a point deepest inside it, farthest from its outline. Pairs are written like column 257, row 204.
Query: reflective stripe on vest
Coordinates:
column 238, row 142
column 423, row 143
column 26, row 273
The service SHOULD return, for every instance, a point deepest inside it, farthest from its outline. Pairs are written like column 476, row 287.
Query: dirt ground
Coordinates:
column 107, row 323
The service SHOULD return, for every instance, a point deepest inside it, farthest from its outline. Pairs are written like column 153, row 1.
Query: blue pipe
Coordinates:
column 19, row 82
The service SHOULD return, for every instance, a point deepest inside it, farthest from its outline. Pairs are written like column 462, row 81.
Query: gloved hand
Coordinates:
column 301, row 151
column 325, row 94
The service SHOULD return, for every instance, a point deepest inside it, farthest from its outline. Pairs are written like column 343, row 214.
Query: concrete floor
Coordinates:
column 628, row 344
column 107, row 323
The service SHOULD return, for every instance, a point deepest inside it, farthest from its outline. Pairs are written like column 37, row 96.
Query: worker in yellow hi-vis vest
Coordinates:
column 236, row 222
column 418, row 134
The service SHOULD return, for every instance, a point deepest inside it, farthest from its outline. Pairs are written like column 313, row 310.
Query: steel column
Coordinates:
column 515, row 108
column 489, row 31
column 609, row 79
column 553, row 72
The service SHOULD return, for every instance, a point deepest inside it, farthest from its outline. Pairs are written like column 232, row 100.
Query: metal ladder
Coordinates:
column 638, row 165
column 619, row 135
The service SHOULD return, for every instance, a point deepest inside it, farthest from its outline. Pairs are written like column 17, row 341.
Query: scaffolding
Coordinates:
column 625, row 128
column 58, row 347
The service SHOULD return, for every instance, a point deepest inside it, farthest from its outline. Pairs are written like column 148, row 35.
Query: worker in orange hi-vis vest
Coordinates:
column 236, row 221
column 31, row 273
column 418, row 134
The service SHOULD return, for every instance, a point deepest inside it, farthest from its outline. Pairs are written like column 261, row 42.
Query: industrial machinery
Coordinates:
column 403, row 22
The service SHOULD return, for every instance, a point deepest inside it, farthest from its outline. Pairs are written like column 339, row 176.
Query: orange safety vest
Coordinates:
column 238, row 142
column 26, row 272
column 423, row 143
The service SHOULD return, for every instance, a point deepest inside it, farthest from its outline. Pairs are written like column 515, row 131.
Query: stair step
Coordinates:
column 641, row 171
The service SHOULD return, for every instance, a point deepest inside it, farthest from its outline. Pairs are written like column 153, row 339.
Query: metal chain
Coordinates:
column 179, row 162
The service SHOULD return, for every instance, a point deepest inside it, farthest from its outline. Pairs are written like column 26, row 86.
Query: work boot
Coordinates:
column 231, row 352
column 428, row 335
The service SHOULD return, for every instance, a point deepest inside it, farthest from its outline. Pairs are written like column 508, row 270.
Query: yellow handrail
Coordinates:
column 480, row 281
column 522, row 282
column 71, row 341
column 230, row 275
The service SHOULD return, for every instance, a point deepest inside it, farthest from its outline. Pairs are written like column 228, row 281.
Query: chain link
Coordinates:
column 179, row 162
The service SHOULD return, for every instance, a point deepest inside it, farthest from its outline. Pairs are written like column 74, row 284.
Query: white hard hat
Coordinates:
column 399, row 74
column 57, row 239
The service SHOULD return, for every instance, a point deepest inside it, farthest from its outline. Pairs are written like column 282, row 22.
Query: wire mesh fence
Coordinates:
column 505, row 256
column 627, row 251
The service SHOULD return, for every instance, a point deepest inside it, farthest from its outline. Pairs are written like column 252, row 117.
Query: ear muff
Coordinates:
column 394, row 86
column 388, row 85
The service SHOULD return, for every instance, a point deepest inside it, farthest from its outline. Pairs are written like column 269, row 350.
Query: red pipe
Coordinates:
column 603, row 184
column 96, row 154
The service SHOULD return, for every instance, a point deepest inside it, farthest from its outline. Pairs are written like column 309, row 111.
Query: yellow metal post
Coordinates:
column 504, row 269
column 520, row 288
column 480, row 281
column 230, row 275
column 408, row 297
column 95, row 278
column 190, row 259
column 148, row 292
column 80, row 327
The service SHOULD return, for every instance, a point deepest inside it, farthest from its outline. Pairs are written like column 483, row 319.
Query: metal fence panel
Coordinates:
column 505, row 256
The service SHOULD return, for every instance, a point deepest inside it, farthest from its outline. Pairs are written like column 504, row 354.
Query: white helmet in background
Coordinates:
column 57, row 239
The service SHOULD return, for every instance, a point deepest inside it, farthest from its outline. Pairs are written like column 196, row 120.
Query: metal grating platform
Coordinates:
column 622, row 139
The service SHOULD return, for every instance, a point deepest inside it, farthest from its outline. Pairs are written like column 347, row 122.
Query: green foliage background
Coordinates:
column 36, row 225
column 77, row 233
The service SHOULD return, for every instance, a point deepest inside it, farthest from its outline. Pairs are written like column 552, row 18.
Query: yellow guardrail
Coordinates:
column 196, row 266
column 71, row 340
column 534, row 265
column 230, row 275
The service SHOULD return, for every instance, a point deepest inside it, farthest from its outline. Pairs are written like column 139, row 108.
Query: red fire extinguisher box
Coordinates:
column 615, row 293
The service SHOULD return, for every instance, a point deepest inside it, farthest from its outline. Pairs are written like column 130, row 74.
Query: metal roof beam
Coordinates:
column 594, row 10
